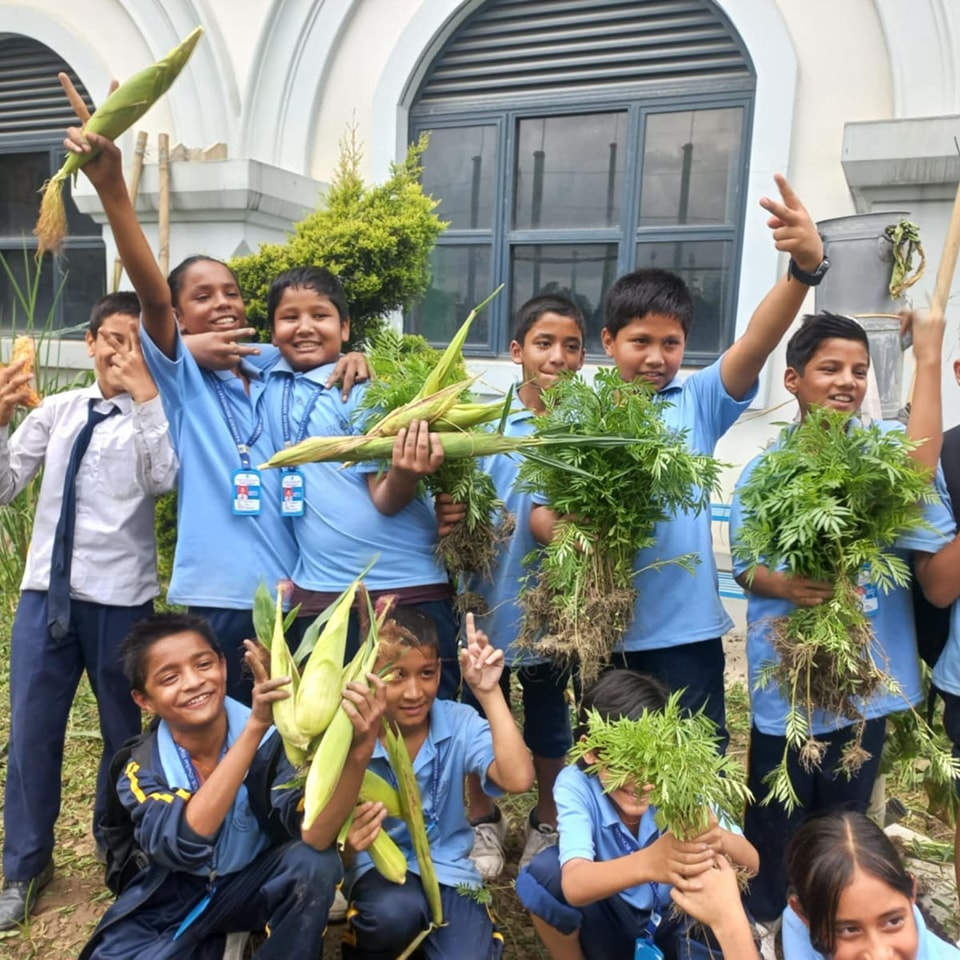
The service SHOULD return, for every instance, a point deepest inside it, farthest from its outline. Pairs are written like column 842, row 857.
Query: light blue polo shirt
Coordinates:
column 502, row 624
column 946, row 672
column 675, row 606
column 220, row 558
column 341, row 529
column 797, row 945
column 895, row 642
column 459, row 742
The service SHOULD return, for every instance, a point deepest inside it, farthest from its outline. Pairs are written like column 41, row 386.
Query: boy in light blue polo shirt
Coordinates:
column 827, row 364
column 343, row 517
column 678, row 618
column 606, row 890
column 447, row 741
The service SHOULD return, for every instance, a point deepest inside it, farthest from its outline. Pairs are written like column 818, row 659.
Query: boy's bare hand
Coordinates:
column 14, row 390
column 794, row 231
column 221, row 349
column 481, row 663
column 803, row 592
column 130, row 366
column 449, row 513
column 367, row 819
column 266, row 691
column 713, row 898
column 416, row 451
column 926, row 328
column 365, row 704
column 670, row 861
column 351, row 368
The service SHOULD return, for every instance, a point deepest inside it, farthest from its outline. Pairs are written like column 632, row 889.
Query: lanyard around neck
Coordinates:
column 243, row 448
column 305, row 419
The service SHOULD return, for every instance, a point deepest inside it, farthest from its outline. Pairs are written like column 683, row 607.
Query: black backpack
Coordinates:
column 933, row 623
column 124, row 857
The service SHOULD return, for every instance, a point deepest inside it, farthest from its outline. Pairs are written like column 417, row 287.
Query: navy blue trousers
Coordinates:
column 608, row 928
column 770, row 827
column 44, row 674
column 385, row 918
column 287, row 890
column 231, row 628
column 694, row 668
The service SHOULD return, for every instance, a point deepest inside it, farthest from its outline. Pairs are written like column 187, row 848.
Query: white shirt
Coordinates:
column 129, row 461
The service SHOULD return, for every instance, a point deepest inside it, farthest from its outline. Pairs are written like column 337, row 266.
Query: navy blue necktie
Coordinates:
column 58, row 595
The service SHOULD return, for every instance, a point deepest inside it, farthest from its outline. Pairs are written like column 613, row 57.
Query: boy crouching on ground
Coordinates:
column 226, row 847
column 446, row 741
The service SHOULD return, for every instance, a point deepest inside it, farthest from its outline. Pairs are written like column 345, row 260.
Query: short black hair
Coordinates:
column 817, row 327
column 649, row 290
column 531, row 311
column 124, row 302
column 145, row 633
column 821, row 859
column 318, row 279
column 617, row 693
column 176, row 275
column 408, row 627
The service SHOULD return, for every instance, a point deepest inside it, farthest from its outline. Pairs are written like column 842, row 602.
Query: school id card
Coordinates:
column 246, row 493
column 291, row 494
column 643, row 949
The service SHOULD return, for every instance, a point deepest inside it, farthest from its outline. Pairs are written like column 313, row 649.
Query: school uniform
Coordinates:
column 384, row 918
column 591, row 829
column 103, row 576
column 337, row 528
column 769, row 827
column 679, row 620
column 797, row 946
column 546, row 714
column 262, row 874
column 230, row 533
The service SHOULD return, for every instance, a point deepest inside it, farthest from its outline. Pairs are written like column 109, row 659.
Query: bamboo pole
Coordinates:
column 133, row 188
column 163, row 221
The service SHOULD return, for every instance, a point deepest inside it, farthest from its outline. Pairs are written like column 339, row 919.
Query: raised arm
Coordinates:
column 926, row 409
column 794, row 232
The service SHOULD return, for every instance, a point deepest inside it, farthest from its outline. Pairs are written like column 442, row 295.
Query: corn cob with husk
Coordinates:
column 127, row 104
column 389, row 860
column 295, row 743
column 411, row 805
column 24, row 349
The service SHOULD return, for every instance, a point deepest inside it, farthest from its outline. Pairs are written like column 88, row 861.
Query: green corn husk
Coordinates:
column 284, row 711
column 375, row 789
column 423, row 408
column 319, row 692
column 465, row 416
column 127, row 104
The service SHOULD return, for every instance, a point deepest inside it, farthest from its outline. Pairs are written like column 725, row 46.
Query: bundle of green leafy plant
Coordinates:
column 580, row 598
column 678, row 756
column 403, row 365
column 829, row 503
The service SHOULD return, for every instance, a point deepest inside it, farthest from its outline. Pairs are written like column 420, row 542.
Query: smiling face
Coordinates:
column 208, row 298
column 874, row 920
column 551, row 345
column 185, row 682
column 631, row 803
column 835, row 377
column 307, row 328
column 650, row 348
column 412, row 688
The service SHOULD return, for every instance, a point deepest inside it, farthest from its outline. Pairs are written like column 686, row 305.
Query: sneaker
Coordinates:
column 338, row 909
column 236, row 946
column 487, row 851
column 539, row 837
column 19, row 898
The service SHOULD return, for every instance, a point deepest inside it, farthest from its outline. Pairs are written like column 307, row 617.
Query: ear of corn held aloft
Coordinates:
column 127, row 104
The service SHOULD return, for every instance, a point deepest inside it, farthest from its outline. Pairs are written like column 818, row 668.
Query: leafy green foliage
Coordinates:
column 677, row 754
column 376, row 239
column 828, row 504
column 580, row 599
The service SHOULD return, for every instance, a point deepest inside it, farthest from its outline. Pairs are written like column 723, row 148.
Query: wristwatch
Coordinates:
column 810, row 279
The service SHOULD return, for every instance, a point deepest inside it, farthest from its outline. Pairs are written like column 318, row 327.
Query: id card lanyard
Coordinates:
column 246, row 480
column 432, row 815
column 292, row 484
column 194, row 782
column 644, row 948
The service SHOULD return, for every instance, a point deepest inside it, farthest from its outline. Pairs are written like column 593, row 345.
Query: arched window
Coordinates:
column 574, row 140
column 33, row 115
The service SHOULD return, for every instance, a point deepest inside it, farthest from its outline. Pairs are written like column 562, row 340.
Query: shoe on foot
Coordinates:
column 539, row 837
column 487, row 853
column 338, row 909
column 18, row 898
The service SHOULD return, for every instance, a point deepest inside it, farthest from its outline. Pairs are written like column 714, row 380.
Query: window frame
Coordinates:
column 637, row 106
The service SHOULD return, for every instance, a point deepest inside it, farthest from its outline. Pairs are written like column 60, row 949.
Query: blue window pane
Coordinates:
column 582, row 272
column 460, row 170
column 460, row 279
column 706, row 267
